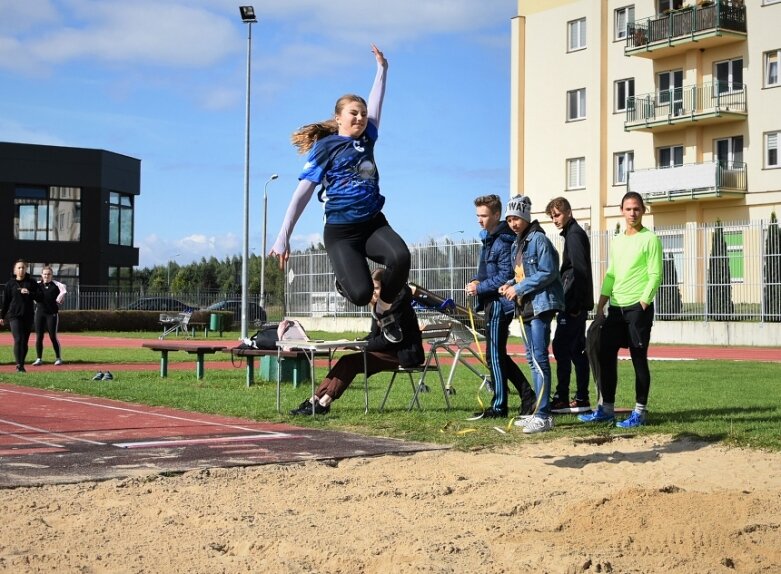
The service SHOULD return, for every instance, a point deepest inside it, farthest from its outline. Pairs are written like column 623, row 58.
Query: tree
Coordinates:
column 771, row 272
column 669, row 295
column 718, row 305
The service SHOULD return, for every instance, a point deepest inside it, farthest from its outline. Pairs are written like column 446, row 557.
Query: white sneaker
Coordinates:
column 521, row 421
column 37, row 363
column 538, row 424
column 58, row 362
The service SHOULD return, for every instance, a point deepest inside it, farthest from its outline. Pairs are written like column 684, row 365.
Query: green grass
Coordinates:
column 736, row 403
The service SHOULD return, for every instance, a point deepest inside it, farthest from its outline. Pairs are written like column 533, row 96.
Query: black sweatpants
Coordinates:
column 626, row 327
column 46, row 323
column 349, row 244
column 20, row 329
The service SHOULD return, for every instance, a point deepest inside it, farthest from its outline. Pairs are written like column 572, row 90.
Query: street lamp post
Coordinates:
column 169, row 270
column 248, row 17
column 263, row 252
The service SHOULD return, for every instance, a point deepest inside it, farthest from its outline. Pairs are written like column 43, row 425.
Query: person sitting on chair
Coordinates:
column 381, row 355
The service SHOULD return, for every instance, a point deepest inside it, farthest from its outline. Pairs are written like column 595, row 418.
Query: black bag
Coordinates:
column 265, row 338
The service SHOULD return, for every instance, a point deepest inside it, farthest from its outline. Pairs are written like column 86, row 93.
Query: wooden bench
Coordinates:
column 193, row 349
column 297, row 360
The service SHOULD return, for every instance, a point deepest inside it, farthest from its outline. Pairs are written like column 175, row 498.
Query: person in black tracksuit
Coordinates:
column 19, row 294
column 381, row 355
column 47, row 316
column 569, row 341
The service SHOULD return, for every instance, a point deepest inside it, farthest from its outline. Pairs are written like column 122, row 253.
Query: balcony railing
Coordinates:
column 690, row 181
column 720, row 101
column 720, row 20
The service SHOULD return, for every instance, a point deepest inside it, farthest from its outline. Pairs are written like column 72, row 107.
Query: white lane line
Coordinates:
column 192, row 441
column 51, row 433
column 30, row 439
column 134, row 411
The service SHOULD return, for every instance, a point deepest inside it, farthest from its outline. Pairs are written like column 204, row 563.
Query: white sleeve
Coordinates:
column 299, row 200
column 376, row 96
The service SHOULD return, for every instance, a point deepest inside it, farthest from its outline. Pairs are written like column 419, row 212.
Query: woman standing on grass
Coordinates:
column 633, row 276
column 47, row 315
column 18, row 309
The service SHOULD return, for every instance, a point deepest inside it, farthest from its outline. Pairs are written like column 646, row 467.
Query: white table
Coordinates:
column 311, row 348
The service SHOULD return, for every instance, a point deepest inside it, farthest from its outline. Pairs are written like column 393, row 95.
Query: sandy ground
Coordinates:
column 631, row 505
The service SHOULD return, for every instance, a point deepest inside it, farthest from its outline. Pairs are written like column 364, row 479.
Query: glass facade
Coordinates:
column 47, row 214
column 120, row 223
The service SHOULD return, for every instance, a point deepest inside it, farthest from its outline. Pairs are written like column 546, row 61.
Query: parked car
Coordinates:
column 160, row 304
column 255, row 313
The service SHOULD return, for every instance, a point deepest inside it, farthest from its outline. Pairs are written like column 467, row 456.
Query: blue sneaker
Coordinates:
column 632, row 421
column 597, row 416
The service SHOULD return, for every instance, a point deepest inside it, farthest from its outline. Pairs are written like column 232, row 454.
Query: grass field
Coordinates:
column 737, row 403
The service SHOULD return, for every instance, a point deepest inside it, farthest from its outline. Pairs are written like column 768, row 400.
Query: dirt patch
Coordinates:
column 628, row 505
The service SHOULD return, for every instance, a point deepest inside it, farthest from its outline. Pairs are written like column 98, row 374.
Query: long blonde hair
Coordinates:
column 306, row 136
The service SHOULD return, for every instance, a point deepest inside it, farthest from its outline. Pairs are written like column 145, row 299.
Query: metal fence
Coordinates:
column 716, row 272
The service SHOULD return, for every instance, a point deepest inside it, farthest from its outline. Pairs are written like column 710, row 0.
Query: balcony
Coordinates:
column 710, row 103
column 690, row 181
column 681, row 30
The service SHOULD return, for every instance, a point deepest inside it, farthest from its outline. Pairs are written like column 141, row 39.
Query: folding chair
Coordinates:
column 434, row 332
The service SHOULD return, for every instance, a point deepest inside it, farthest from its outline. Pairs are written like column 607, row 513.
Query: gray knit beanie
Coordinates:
column 519, row 206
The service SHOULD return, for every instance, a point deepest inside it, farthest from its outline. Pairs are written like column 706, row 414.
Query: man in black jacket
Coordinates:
column 381, row 355
column 569, row 341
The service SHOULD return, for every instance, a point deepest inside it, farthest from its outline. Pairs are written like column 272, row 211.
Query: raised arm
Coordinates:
column 301, row 197
column 377, row 94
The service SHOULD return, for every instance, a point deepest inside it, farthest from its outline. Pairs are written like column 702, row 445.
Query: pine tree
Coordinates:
column 771, row 272
column 719, row 306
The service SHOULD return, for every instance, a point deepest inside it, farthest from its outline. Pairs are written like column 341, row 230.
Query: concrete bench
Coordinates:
column 193, row 349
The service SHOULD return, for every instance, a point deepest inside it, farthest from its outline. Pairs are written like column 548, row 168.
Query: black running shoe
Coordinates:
column 390, row 327
column 338, row 287
column 305, row 408
column 107, row 376
column 488, row 414
column 20, row 369
column 98, row 376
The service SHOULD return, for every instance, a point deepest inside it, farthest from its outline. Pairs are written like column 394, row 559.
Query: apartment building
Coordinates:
column 679, row 100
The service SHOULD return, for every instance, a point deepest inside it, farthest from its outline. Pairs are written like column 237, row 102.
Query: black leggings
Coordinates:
column 349, row 244
column 626, row 327
column 20, row 329
column 45, row 323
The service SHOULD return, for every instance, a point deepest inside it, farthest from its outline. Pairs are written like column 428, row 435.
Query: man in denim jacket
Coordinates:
column 495, row 268
column 538, row 294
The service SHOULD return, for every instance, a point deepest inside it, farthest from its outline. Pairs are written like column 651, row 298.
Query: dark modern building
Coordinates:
column 71, row 208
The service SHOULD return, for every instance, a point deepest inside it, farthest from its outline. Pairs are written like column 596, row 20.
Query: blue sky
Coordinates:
column 164, row 81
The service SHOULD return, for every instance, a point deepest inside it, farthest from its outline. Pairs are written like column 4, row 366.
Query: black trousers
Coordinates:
column 46, row 323
column 20, row 329
column 348, row 246
column 626, row 327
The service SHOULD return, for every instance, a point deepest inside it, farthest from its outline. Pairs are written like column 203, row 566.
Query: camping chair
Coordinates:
column 175, row 323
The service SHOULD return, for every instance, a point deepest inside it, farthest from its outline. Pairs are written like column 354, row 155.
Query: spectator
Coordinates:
column 47, row 315
column 17, row 311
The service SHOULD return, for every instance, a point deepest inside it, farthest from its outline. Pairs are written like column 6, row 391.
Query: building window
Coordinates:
column 623, row 163
column 624, row 89
column 672, row 247
column 771, row 68
column 576, row 35
column 729, row 76
column 576, row 173
column 47, row 213
column 120, row 223
column 670, row 156
column 670, row 90
column 729, row 151
column 623, row 18
column 769, row 2
column 576, row 104
column 120, row 277
column 665, row 6
column 771, row 150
